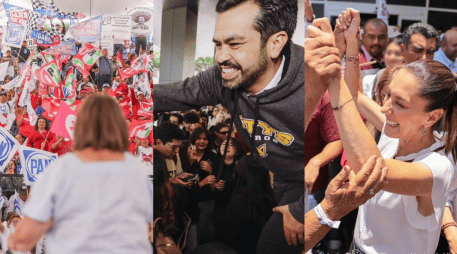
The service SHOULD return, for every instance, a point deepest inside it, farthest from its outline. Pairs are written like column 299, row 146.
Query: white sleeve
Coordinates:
column 40, row 204
column 10, row 207
column 442, row 171
column 368, row 83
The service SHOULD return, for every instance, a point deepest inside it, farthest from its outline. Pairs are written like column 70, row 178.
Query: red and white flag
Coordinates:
column 141, row 129
column 86, row 58
column 49, row 74
column 138, row 66
column 146, row 109
column 51, row 105
column 119, row 61
column 64, row 122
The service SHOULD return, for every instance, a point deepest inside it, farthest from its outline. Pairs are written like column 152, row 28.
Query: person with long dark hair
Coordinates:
column 247, row 211
column 419, row 159
column 41, row 138
column 207, row 162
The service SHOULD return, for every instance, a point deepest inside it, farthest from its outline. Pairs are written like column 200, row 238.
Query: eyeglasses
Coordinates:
column 223, row 132
column 174, row 147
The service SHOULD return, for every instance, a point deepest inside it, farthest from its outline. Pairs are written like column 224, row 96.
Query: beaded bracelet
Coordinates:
column 351, row 58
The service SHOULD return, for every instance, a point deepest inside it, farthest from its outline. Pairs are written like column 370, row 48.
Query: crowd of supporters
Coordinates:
column 199, row 184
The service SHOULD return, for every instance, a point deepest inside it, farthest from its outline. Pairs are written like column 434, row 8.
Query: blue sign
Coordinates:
column 8, row 147
column 42, row 37
column 14, row 35
column 34, row 162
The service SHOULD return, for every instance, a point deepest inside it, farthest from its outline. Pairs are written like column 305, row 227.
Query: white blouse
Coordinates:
column 391, row 223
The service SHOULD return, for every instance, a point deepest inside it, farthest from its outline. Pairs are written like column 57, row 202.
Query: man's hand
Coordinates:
column 342, row 197
column 311, row 174
column 294, row 231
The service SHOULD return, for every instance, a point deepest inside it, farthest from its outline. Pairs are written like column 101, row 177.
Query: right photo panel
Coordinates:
column 229, row 126
column 380, row 126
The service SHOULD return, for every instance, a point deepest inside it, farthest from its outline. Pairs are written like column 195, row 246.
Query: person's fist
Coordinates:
column 322, row 61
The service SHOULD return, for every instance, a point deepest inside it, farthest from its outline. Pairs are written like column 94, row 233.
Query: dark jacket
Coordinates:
column 279, row 137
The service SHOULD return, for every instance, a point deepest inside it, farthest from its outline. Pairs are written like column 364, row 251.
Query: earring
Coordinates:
column 423, row 133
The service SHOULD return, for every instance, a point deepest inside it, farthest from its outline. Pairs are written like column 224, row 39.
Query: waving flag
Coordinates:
column 141, row 129
column 8, row 147
column 63, row 15
column 66, row 47
column 16, row 204
column 47, row 58
column 49, row 74
column 64, row 122
column 7, row 120
column 3, row 69
column 68, row 82
column 51, row 105
column 14, row 83
column 144, row 85
column 85, row 31
column 138, row 66
column 86, row 58
column 146, row 109
column 46, row 38
column 16, row 15
column 34, row 162
column 383, row 13
column 119, row 61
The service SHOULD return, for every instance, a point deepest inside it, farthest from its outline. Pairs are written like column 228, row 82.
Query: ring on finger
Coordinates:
column 372, row 192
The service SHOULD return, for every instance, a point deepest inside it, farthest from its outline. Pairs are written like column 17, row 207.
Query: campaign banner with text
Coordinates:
column 85, row 31
column 117, row 26
column 66, row 47
column 86, row 58
column 34, row 162
column 16, row 15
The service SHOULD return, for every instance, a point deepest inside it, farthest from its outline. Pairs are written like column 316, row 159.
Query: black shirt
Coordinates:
column 24, row 54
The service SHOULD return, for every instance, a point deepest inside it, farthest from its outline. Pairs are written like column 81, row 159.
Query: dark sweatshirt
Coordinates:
column 279, row 135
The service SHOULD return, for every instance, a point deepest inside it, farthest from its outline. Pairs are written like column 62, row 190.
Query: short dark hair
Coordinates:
column 376, row 22
column 423, row 29
column 167, row 131
column 274, row 16
column 179, row 116
column 191, row 117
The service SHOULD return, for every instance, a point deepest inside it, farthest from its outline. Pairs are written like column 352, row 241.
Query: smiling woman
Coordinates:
column 419, row 160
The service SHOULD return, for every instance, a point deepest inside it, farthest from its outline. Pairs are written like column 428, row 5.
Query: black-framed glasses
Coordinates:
column 174, row 147
column 223, row 132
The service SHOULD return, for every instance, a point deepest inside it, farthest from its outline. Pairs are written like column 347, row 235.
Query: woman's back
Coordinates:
column 101, row 206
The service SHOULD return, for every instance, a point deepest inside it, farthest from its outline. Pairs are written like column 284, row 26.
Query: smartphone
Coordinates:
column 190, row 178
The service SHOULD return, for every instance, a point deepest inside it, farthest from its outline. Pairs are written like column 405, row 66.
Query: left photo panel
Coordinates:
column 76, row 126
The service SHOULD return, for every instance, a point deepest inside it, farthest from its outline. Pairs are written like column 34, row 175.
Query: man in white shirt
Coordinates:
column 447, row 54
column 5, row 106
column 17, row 201
column 85, row 83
